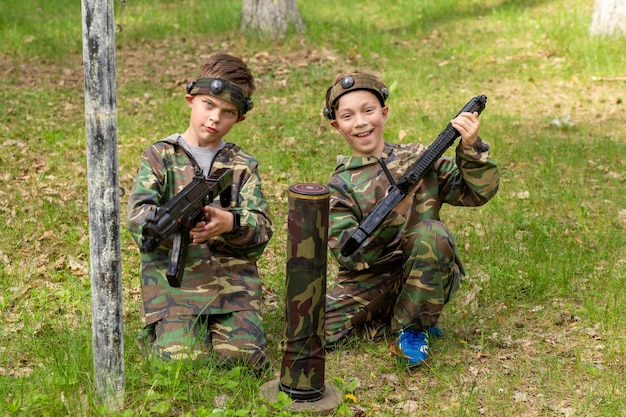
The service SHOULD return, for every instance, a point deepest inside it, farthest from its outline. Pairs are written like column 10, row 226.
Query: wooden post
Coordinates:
column 104, row 207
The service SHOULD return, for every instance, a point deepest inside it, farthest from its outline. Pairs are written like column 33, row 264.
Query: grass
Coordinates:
column 536, row 330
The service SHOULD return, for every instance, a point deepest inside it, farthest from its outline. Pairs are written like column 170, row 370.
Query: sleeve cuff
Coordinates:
column 236, row 222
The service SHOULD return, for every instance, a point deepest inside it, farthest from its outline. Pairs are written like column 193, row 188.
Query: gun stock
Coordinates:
column 180, row 214
column 409, row 179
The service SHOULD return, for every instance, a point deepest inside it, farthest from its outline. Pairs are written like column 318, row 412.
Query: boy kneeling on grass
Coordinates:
column 408, row 269
column 216, row 310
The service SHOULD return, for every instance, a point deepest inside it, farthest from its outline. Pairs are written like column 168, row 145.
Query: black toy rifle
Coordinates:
column 180, row 214
column 411, row 177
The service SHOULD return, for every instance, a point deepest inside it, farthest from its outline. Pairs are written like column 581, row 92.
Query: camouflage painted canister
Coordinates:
column 302, row 371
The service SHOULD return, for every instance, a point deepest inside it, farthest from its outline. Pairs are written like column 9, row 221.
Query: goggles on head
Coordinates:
column 352, row 82
column 223, row 89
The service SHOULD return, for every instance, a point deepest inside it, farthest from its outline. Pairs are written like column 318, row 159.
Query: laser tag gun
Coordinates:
column 409, row 180
column 180, row 214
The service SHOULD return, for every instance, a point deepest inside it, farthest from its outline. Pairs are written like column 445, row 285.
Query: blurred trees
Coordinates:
column 270, row 18
column 609, row 18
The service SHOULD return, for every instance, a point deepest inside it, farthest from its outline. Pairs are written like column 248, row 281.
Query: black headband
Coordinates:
column 223, row 89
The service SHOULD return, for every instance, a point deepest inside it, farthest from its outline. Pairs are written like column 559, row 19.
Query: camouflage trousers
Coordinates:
column 410, row 291
column 227, row 338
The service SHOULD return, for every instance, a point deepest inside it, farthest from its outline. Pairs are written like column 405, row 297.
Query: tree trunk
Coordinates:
column 609, row 18
column 270, row 18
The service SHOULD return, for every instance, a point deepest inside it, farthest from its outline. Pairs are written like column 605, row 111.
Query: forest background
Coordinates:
column 537, row 328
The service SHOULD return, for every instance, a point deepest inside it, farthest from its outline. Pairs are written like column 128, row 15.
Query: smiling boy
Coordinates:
column 408, row 269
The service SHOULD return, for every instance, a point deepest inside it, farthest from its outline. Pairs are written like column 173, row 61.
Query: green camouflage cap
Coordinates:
column 223, row 89
column 352, row 82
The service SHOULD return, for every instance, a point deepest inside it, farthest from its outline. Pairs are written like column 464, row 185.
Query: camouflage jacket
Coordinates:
column 220, row 275
column 358, row 184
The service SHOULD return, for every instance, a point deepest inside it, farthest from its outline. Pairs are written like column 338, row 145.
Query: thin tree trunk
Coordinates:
column 609, row 18
column 271, row 18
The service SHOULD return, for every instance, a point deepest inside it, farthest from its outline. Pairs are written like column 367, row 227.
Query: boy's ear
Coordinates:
column 333, row 123
column 241, row 119
column 189, row 99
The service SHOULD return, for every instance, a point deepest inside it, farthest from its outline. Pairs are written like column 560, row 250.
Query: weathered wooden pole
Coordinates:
column 104, row 207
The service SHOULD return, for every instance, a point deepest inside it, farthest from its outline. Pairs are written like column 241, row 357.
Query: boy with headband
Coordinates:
column 216, row 310
column 407, row 270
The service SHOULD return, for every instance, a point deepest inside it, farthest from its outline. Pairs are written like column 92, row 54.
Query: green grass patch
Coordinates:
column 536, row 329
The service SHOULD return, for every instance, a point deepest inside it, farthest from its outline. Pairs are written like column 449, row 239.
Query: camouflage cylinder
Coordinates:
column 302, row 371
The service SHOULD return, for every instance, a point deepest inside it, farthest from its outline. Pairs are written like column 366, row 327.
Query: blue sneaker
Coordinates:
column 411, row 347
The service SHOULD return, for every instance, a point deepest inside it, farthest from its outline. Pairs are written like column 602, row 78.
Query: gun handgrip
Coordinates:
column 176, row 267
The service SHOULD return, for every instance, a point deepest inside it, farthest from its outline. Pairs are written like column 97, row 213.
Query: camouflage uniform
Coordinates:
column 217, row 308
column 406, row 270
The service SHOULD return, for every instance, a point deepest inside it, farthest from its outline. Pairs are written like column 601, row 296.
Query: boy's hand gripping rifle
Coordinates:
column 180, row 214
column 411, row 177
